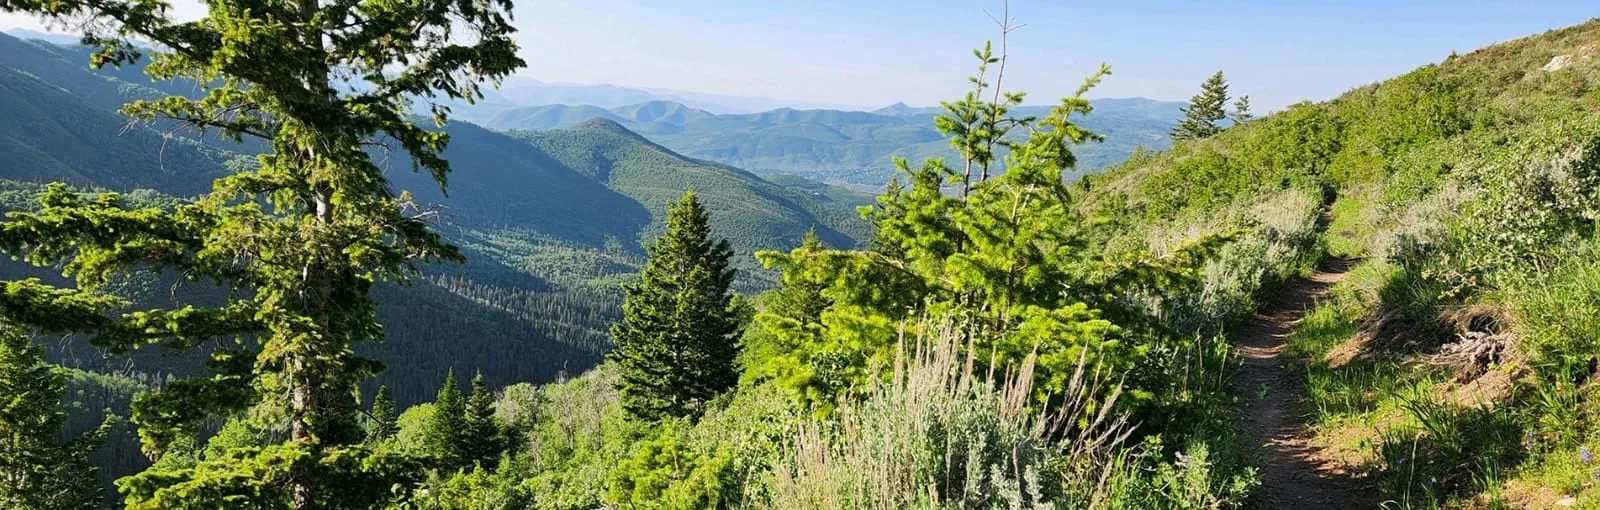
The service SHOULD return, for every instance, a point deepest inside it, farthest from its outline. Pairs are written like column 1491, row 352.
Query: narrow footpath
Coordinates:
column 1274, row 424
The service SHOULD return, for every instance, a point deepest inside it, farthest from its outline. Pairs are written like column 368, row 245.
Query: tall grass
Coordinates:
column 941, row 434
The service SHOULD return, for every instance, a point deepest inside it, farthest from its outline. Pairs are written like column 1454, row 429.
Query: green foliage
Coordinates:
column 382, row 427
column 446, row 430
column 677, row 342
column 1002, row 252
column 582, row 433
column 37, row 470
column 1241, row 110
column 1191, row 482
column 662, row 473
column 481, row 439
column 477, row 489
column 415, row 426
column 1205, row 109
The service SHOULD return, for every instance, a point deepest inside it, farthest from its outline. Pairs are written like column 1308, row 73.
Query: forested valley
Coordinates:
column 260, row 259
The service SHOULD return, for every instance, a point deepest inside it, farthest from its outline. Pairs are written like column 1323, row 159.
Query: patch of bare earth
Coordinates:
column 1295, row 473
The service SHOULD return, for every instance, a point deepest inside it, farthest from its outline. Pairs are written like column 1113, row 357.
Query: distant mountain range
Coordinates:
column 50, row 37
column 836, row 146
column 524, row 91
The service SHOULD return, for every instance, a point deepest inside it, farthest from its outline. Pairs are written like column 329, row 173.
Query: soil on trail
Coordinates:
column 1274, row 424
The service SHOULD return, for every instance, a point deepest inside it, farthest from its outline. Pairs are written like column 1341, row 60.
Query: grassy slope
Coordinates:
column 1464, row 186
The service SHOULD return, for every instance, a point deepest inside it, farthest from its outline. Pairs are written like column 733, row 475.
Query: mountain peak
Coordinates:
column 605, row 125
column 602, row 124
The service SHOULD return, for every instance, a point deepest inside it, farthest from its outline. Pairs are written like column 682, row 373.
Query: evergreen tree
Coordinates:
column 300, row 238
column 35, row 470
column 887, row 209
column 793, row 312
column 443, row 437
column 480, row 436
column 1241, row 110
column 676, row 344
column 800, row 295
column 383, row 425
column 1009, row 256
column 1204, row 110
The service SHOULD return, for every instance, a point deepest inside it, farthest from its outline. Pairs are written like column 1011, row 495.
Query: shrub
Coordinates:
column 938, row 434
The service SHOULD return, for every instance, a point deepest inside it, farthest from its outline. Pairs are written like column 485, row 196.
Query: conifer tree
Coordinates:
column 677, row 341
column 1008, row 256
column 800, row 295
column 887, row 209
column 383, row 425
column 301, row 238
column 1241, row 110
column 36, row 471
column 480, row 436
column 443, row 437
column 1204, row 110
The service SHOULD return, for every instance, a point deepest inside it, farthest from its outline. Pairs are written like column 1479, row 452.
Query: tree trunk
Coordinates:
column 305, row 380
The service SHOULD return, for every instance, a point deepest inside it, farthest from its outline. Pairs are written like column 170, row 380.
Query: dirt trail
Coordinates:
column 1291, row 478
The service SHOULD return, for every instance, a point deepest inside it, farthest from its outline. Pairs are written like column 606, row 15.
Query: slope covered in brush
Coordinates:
column 1463, row 344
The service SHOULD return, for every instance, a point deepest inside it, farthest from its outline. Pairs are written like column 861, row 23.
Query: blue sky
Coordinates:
column 873, row 53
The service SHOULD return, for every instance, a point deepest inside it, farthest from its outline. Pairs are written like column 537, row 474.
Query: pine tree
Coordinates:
column 1241, row 110
column 792, row 313
column 999, row 256
column 676, row 344
column 480, row 436
column 800, row 295
column 35, row 470
column 443, row 437
column 383, row 426
column 301, row 238
column 1204, row 110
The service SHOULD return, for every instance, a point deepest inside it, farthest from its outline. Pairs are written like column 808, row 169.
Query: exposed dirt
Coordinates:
column 1293, row 477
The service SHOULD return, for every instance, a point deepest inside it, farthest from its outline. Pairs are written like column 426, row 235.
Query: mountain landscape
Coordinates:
column 850, row 148
column 541, row 214
column 551, row 221
column 621, row 297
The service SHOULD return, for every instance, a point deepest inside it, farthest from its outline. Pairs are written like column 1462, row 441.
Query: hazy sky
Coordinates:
column 876, row 52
